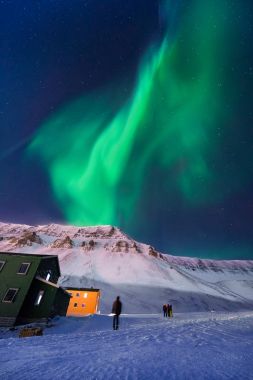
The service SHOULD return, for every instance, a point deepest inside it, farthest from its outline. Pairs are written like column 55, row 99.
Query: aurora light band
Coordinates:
column 104, row 150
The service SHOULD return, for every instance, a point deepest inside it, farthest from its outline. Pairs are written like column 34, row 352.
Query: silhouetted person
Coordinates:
column 165, row 310
column 170, row 313
column 116, row 310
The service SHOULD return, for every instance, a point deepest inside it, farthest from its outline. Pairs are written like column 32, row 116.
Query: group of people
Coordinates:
column 117, row 307
column 167, row 310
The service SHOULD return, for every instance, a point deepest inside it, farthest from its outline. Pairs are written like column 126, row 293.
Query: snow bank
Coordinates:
column 193, row 346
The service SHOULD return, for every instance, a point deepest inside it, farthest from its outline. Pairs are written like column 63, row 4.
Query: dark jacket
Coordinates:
column 116, row 307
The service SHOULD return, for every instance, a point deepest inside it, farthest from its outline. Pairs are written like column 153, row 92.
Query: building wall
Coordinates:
column 23, row 308
column 10, row 279
column 45, row 308
column 61, row 302
column 54, row 302
column 83, row 302
column 49, row 266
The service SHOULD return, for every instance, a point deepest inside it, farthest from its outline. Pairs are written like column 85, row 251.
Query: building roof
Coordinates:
column 52, row 284
column 27, row 254
column 42, row 257
column 85, row 289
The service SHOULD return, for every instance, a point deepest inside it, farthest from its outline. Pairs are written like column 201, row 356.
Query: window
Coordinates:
column 83, row 305
column 1, row 265
column 39, row 297
column 78, row 294
column 10, row 295
column 85, row 295
column 75, row 304
column 23, row 269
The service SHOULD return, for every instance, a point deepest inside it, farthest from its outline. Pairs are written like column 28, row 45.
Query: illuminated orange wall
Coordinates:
column 87, row 302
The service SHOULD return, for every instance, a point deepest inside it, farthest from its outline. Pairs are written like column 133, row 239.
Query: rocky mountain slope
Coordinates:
column 106, row 258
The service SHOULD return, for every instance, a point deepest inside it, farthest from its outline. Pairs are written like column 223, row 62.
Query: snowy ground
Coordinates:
column 189, row 346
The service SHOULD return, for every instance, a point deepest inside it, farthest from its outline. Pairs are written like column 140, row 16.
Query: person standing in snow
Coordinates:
column 116, row 310
column 170, row 313
column 165, row 310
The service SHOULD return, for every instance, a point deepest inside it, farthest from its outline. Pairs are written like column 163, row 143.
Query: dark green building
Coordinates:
column 28, row 288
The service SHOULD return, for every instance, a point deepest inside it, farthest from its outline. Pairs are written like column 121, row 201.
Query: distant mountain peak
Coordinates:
column 105, row 257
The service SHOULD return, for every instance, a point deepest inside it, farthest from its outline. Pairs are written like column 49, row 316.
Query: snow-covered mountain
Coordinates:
column 105, row 257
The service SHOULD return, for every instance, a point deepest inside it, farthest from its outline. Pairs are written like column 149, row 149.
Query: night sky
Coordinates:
column 133, row 113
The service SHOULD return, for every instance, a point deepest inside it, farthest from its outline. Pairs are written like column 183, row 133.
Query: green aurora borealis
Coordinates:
column 108, row 150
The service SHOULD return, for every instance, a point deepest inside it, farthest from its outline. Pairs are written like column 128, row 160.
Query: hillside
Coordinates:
column 105, row 257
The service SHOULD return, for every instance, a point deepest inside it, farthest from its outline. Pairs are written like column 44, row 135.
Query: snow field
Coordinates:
column 188, row 346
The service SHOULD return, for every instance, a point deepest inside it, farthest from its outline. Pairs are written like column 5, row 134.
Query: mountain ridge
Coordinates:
column 105, row 257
